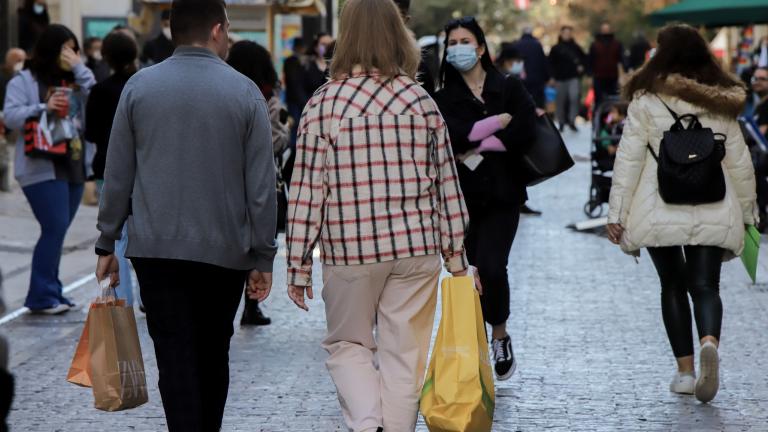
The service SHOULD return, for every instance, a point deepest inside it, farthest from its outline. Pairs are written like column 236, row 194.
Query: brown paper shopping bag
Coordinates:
column 117, row 366
column 108, row 356
column 80, row 370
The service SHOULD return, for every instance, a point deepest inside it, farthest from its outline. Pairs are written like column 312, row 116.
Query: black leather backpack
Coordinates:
column 689, row 159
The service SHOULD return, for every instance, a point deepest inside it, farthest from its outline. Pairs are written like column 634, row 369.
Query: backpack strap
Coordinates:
column 653, row 153
column 674, row 114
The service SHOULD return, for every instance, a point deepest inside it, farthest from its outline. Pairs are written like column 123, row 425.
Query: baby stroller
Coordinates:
column 602, row 161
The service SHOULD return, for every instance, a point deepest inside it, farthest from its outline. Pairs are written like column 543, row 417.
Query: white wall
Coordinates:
column 71, row 12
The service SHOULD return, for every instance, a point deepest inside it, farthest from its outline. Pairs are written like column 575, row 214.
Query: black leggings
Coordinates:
column 694, row 270
column 488, row 243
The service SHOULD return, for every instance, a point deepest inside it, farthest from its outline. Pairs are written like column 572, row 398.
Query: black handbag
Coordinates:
column 690, row 170
column 547, row 157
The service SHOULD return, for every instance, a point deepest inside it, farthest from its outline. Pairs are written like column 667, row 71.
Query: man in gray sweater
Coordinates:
column 190, row 170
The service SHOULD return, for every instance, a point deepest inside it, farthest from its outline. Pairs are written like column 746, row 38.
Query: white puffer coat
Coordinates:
column 635, row 202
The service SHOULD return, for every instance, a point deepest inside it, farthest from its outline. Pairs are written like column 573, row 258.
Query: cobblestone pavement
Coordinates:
column 586, row 325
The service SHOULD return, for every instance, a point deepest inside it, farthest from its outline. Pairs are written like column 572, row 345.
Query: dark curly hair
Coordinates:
column 681, row 50
column 255, row 62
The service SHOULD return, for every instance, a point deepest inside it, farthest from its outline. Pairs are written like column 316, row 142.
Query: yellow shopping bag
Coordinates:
column 458, row 393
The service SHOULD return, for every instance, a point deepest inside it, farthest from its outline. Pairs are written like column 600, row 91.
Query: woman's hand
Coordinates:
column 504, row 120
column 615, row 231
column 296, row 293
column 475, row 274
column 69, row 56
column 57, row 101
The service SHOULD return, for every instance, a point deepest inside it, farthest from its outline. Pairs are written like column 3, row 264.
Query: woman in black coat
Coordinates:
column 491, row 120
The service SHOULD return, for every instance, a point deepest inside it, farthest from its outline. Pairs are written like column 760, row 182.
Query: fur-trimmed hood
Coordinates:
column 724, row 101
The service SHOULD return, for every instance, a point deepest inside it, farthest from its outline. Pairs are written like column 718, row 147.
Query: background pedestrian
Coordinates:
column 606, row 56
column 316, row 70
column 687, row 243
column 53, row 187
column 92, row 48
column 567, row 61
column 161, row 47
column 382, row 212
column 121, row 55
column 491, row 119
column 255, row 62
column 536, row 66
column 33, row 20
column 190, row 170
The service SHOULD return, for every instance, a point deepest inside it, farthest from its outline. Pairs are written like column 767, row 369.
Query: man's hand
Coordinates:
column 107, row 267
column 296, row 293
column 475, row 274
column 259, row 285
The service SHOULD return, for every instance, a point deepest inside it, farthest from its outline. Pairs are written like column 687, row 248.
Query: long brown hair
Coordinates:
column 373, row 36
column 681, row 50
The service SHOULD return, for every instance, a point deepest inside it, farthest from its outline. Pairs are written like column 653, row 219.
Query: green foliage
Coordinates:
column 430, row 16
column 626, row 16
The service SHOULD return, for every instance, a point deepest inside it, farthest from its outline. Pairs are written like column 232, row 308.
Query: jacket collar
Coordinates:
column 724, row 101
column 494, row 85
column 193, row 51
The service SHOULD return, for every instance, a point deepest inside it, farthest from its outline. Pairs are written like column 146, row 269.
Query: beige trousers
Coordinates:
column 398, row 300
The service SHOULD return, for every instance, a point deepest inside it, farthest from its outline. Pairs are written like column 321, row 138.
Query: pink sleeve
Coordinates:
column 485, row 128
column 491, row 144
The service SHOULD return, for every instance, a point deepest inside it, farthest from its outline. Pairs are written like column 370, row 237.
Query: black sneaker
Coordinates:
column 252, row 314
column 573, row 127
column 503, row 358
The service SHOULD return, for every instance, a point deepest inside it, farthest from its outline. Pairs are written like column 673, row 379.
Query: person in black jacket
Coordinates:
column 567, row 60
column 121, row 53
column 491, row 121
column 536, row 73
column 33, row 20
column 161, row 47
column 606, row 56
column 638, row 52
column 316, row 69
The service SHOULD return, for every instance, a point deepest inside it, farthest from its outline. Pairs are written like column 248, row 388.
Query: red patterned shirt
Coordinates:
column 374, row 179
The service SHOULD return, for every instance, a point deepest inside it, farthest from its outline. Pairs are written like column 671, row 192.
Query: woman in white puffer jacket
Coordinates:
column 687, row 243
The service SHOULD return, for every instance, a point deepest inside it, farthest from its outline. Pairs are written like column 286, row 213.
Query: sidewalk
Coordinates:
column 586, row 326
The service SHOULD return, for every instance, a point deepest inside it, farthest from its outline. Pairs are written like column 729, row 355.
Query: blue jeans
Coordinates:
column 125, row 289
column 54, row 203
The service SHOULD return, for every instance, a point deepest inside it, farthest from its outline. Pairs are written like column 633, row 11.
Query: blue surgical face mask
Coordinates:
column 517, row 68
column 38, row 8
column 463, row 57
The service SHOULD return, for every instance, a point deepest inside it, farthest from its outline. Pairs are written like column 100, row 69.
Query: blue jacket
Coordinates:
column 22, row 101
column 536, row 63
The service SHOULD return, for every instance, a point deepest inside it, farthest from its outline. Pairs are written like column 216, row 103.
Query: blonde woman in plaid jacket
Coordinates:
column 375, row 183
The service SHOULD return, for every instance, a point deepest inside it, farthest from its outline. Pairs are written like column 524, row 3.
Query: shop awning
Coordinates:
column 713, row 13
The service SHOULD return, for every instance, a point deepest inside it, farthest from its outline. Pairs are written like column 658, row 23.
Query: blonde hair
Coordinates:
column 374, row 37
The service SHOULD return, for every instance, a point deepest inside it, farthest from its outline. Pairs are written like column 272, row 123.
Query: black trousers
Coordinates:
column 604, row 88
column 488, row 243
column 190, row 310
column 694, row 270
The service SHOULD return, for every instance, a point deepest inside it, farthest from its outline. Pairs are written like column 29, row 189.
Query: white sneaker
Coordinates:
column 56, row 310
column 683, row 383
column 709, row 373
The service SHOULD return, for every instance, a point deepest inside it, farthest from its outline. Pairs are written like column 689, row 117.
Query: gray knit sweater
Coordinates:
column 190, row 166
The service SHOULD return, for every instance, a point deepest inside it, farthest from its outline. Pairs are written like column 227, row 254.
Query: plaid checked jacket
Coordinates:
column 374, row 179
